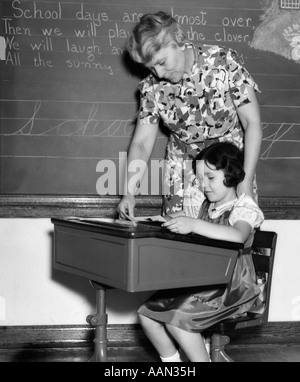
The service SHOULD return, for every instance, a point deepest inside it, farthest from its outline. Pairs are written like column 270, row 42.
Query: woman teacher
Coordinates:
column 203, row 95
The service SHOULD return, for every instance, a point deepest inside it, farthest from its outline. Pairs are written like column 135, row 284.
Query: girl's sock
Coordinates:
column 174, row 358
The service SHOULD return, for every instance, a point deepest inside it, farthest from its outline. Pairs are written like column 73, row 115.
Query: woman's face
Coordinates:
column 212, row 181
column 169, row 63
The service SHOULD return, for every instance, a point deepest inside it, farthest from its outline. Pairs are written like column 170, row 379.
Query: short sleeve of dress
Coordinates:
column 246, row 209
column 148, row 112
column 239, row 79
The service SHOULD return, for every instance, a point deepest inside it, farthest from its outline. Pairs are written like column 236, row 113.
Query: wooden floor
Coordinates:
column 249, row 353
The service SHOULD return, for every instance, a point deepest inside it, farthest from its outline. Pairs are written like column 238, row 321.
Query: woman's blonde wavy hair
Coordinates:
column 151, row 33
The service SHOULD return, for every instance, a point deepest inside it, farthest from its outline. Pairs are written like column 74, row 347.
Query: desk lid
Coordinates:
column 142, row 229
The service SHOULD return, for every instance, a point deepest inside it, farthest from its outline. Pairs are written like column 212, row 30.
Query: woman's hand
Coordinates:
column 126, row 207
column 182, row 224
column 245, row 187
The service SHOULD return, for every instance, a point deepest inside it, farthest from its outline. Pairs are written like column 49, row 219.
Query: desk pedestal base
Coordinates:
column 99, row 321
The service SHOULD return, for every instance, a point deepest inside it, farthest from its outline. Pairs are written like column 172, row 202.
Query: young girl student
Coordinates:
column 175, row 318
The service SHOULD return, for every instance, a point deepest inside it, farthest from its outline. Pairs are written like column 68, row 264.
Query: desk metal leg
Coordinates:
column 99, row 320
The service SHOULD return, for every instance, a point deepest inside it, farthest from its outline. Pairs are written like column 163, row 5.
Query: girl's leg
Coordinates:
column 191, row 343
column 160, row 338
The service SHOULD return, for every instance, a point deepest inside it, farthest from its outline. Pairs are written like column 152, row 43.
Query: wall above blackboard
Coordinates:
column 68, row 89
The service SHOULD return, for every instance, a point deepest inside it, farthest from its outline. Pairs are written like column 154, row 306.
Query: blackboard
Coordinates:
column 68, row 89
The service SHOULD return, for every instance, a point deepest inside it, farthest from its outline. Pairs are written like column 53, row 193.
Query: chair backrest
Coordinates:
column 264, row 246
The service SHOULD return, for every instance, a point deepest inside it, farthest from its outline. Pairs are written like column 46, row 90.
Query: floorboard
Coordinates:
column 249, row 353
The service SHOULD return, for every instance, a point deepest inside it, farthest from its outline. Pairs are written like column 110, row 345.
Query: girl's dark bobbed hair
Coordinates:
column 224, row 156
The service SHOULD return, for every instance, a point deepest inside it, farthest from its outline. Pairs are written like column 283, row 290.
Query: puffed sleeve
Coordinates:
column 148, row 112
column 246, row 209
column 239, row 79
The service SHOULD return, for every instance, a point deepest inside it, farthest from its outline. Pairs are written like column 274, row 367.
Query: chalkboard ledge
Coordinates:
column 46, row 206
column 37, row 206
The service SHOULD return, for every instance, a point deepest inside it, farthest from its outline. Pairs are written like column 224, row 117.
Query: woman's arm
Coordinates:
column 239, row 232
column 138, row 157
column 249, row 115
column 140, row 151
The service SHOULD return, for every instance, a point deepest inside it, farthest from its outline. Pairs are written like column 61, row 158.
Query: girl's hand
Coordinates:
column 182, row 224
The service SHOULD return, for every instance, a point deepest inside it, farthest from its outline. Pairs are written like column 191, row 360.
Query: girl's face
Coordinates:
column 169, row 63
column 212, row 181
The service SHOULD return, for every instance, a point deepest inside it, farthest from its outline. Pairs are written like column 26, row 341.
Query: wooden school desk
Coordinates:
column 138, row 258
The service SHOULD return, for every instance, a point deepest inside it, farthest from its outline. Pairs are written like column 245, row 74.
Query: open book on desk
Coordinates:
column 156, row 220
